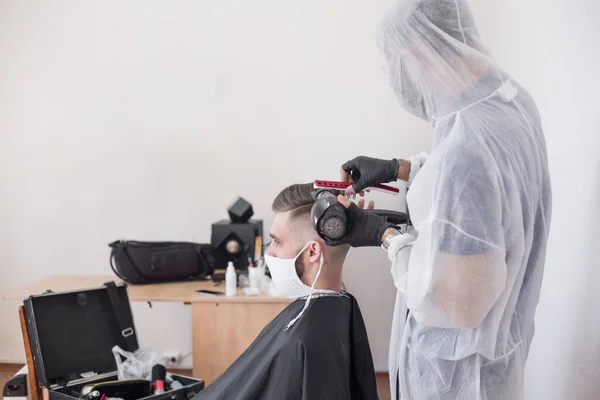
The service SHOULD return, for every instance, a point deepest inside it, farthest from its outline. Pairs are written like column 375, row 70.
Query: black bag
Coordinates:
column 155, row 262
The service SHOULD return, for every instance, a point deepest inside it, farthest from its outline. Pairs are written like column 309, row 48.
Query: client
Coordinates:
column 317, row 347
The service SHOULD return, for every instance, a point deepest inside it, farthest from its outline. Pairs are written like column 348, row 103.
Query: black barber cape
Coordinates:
column 324, row 355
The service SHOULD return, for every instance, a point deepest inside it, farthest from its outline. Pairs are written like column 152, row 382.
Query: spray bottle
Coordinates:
column 230, row 280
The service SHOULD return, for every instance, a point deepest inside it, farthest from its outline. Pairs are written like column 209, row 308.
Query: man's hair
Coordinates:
column 297, row 198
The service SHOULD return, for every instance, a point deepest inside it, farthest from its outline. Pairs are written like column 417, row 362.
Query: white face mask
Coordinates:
column 287, row 282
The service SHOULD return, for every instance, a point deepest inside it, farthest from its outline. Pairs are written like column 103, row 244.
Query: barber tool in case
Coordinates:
column 72, row 336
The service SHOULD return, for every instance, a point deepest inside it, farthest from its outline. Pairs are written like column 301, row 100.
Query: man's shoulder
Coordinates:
column 462, row 153
column 465, row 167
column 327, row 318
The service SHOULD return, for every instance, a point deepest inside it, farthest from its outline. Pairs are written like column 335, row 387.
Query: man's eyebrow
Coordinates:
column 274, row 237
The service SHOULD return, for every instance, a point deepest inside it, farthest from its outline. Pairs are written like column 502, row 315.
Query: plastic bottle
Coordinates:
column 230, row 280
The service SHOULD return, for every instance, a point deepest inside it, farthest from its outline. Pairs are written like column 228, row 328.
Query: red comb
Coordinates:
column 319, row 184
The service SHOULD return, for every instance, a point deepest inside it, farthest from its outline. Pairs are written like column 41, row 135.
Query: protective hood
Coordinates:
column 434, row 58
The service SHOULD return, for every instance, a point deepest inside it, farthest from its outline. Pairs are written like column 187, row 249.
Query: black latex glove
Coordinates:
column 366, row 228
column 367, row 171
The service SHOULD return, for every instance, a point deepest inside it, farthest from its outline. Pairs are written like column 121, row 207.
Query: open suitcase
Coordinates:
column 72, row 335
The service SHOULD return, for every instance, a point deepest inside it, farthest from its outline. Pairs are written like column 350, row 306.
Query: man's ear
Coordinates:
column 315, row 250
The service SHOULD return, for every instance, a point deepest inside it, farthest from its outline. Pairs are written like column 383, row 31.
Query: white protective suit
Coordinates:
column 471, row 269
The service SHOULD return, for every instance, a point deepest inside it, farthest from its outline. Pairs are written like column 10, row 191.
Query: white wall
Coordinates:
column 144, row 119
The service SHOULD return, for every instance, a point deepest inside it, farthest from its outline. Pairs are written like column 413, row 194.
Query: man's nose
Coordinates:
column 270, row 251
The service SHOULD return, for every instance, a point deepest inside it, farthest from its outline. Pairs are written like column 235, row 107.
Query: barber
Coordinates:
column 469, row 267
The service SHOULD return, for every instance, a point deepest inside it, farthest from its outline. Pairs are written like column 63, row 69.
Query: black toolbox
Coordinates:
column 72, row 335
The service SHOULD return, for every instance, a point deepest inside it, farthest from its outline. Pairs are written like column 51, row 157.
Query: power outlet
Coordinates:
column 171, row 359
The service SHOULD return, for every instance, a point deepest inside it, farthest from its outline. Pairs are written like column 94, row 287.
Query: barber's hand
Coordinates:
column 367, row 172
column 361, row 204
column 366, row 229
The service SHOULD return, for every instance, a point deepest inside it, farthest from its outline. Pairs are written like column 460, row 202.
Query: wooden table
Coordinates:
column 222, row 327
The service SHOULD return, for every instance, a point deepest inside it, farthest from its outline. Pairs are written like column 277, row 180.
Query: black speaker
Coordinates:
column 234, row 242
column 240, row 211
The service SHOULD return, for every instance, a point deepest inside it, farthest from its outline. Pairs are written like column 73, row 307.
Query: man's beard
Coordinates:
column 299, row 268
